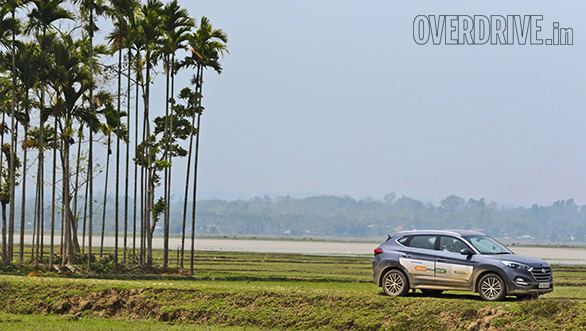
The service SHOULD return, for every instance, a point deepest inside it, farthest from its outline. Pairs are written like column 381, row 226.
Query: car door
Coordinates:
column 418, row 258
column 453, row 269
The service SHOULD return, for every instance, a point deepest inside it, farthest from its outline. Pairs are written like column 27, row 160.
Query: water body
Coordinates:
column 554, row 255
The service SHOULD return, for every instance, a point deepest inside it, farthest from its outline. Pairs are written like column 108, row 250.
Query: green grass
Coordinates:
column 237, row 291
column 10, row 322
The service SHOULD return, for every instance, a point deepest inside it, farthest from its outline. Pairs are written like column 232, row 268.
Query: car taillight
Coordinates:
column 377, row 251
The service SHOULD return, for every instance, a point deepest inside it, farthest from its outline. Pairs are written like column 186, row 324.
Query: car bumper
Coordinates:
column 522, row 283
column 529, row 289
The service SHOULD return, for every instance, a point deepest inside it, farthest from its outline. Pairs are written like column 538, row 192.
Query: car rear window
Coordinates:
column 423, row 242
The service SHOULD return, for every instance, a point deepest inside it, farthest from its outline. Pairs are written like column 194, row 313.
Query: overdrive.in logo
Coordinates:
column 480, row 30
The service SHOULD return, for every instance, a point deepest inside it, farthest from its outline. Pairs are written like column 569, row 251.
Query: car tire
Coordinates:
column 432, row 292
column 395, row 283
column 491, row 287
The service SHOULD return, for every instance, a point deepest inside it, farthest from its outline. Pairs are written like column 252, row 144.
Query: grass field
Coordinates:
column 250, row 291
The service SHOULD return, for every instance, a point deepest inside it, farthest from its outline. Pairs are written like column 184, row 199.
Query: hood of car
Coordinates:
column 528, row 260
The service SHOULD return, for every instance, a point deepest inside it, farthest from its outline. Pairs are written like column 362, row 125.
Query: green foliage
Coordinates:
column 159, row 208
column 5, row 174
column 112, row 125
column 342, row 216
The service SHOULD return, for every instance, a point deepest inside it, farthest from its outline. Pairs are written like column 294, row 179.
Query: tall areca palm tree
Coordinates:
column 14, row 4
column 151, row 28
column 117, row 38
column 207, row 46
column 5, row 196
column 137, row 43
column 29, row 62
column 89, row 9
column 5, row 90
column 122, row 10
column 131, row 17
column 71, row 79
column 176, row 24
column 9, row 27
column 111, row 125
column 42, row 19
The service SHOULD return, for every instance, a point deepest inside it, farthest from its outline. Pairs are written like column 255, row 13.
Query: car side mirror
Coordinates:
column 466, row 251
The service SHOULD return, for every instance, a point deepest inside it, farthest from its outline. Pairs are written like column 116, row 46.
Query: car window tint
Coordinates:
column 425, row 242
column 403, row 241
column 451, row 244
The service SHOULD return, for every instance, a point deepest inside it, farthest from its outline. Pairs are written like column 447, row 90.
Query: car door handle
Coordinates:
column 406, row 255
column 441, row 260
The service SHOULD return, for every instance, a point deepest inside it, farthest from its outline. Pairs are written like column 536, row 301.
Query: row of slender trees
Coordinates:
column 56, row 87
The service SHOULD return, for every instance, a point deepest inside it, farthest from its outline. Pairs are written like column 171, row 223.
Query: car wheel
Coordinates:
column 432, row 292
column 492, row 288
column 395, row 283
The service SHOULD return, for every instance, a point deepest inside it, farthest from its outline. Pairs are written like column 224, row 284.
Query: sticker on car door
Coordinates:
column 418, row 267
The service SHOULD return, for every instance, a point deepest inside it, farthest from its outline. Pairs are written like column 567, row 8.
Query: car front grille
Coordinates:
column 541, row 274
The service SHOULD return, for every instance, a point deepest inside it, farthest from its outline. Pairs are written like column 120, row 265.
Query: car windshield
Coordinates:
column 487, row 245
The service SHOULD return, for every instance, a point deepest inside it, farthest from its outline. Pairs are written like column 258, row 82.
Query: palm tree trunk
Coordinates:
column 149, row 175
column 194, row 192
column 199, row 95
column 41, row 221
column 85, row 203
column 74, row 217
column 54, row 202
column 168, row 197
column 63, row 243
column 66, row 199
column 136, row 166
column 39, row 226
column 41, row 185
column 4, row 251
column 167, row 148
column 142, row 212
column 143, row 184
column 187, row 177
column 4, row 228
column 105, row 197
column 90, row 201
column 12, row 195
column 23, row 207
column 90, row 156
column 12, row 148
column 35, row 222
column 127, row 158
column 77, row 168
column 117, row 198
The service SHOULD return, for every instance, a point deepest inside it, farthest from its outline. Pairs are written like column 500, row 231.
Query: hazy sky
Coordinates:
column 335, row 97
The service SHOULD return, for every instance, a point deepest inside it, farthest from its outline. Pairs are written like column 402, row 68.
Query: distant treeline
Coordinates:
column 343, row 216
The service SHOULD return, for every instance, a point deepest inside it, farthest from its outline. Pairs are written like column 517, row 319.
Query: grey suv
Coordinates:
column 433, row 261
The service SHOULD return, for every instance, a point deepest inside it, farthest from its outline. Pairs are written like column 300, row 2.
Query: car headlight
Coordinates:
column 516, row 265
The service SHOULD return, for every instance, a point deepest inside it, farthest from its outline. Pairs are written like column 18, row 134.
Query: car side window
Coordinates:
column 451, row 244
column 404, row 241
column 424, row 242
